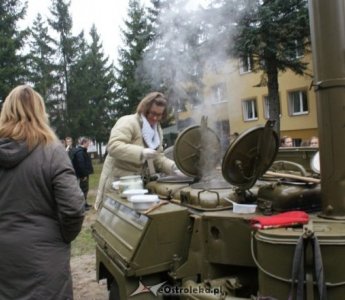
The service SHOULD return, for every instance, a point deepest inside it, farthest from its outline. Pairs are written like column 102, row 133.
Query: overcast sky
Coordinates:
column 107, row 15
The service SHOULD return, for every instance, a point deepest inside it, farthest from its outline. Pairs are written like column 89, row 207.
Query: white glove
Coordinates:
column 148, row 153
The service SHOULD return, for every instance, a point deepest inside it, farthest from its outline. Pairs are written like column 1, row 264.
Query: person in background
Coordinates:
column 136, row 141
column 314, row 142
column 82, row 164
column 286, row 141
column 41, row 204
column 69, row 146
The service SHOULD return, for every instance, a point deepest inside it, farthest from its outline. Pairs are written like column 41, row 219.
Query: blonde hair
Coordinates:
column 23, row 118
column 152, row 98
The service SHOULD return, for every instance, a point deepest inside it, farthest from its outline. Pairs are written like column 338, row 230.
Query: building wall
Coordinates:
column 243, row 86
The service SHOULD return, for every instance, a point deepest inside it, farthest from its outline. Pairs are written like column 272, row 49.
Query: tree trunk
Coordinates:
column 100, row 152
column 273, row 94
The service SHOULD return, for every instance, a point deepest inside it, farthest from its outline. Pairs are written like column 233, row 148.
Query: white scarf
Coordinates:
column 150, row 135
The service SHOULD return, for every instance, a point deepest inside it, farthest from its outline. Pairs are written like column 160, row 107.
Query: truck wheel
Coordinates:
column 114, row 293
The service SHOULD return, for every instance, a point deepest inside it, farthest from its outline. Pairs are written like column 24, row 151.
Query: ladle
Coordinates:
column 292, row 176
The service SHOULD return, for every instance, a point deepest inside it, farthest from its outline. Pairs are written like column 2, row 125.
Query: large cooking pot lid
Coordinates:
column 250, row 155
column 197, row 150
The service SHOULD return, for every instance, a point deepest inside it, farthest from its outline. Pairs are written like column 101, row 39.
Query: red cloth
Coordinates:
column 280, row 220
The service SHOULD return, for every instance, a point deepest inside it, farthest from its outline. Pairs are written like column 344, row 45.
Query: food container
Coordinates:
column 130, row 193
column 115, row 185
column 143, row 202
column 242, row 208
column 130, row 182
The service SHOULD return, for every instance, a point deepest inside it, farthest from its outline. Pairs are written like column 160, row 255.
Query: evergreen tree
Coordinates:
column 12, row 61
column 79, row 89
column 41, row 66
column 102, row 97
column 92, row 83
column 268, row 34
column 131, row 80
column 66, row 47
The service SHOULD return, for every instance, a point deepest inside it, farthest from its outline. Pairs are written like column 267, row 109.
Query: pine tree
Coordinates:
column 66, row 47
column 131, row 80
column 12, row 59
column 79, row 89
column 269, row 33
column 41, row 66
column 92, row 82
column 102, row 98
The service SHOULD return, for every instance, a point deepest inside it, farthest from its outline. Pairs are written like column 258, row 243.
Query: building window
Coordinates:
column 298, row 103
column 250, row 112
column 219, row 93
column 246, row 64
column 297, row 51
column 195, row 99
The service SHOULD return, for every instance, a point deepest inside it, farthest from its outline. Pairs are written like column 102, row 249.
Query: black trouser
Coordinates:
column 84, row 185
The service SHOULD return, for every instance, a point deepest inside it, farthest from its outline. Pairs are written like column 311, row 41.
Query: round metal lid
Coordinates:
column 197, row 150
column 315, row 163
column 250, row 156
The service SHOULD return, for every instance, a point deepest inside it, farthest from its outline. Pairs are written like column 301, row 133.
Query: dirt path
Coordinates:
column 83, row 267
column 85, row 286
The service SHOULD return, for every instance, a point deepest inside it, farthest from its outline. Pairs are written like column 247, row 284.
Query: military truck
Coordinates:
column 235, row 227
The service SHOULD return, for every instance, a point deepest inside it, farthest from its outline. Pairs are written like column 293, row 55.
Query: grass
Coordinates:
column 84, row 243
column 94, row 178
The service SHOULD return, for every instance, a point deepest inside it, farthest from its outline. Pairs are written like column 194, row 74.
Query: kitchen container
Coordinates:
column 130, row 182
column 273, row 251
column 143, row 202
column 130, row 193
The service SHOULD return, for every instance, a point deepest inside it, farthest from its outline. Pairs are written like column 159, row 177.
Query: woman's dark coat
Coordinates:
column 41, row 212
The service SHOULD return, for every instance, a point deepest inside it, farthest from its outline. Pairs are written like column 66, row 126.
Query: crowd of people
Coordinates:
column 287, row 141
column 44, row 186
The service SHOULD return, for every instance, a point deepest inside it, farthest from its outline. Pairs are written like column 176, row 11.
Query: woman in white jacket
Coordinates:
column 135, row 139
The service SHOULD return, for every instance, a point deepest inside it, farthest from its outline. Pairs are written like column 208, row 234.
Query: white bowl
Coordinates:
column 143, row 202
column 115, row 185
column 130, row 193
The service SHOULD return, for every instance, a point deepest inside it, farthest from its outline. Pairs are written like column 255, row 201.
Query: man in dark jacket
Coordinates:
column 83, row 166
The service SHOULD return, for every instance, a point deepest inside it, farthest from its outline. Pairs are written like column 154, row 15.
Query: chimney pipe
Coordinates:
column 327, row 24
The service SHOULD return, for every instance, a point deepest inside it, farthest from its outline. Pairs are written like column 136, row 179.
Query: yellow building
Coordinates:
column 234, row 103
